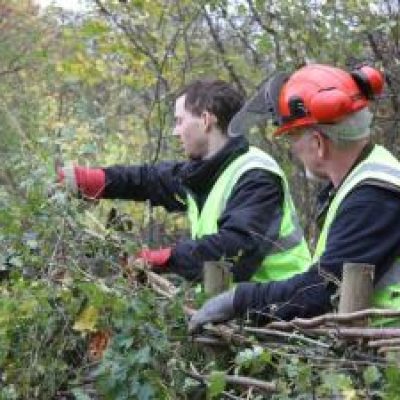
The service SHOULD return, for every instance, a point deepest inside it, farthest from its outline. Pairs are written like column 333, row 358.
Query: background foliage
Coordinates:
column 98, row 89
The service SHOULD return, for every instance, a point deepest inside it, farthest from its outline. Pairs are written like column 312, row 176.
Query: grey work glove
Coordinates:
column 217, row 309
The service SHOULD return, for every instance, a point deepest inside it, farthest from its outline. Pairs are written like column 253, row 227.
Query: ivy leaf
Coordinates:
column 145, row 392
column 334, row 383
column 371, row 375
column 143, row 356
column 255, row 359
column 80, row 394
column 86, row 321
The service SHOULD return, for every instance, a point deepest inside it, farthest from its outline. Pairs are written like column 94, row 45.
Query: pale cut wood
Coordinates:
column 239, row 380
column 356, row 288
column 217, row 277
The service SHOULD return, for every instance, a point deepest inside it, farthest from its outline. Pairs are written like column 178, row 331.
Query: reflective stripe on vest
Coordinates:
column 380, row 166
column 387, row 294
column 289, row 253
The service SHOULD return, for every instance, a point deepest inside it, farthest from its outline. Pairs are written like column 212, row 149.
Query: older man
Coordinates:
column 323, row 113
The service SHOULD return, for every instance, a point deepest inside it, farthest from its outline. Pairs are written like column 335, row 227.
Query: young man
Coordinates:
column 323, row 113
column 236, row 196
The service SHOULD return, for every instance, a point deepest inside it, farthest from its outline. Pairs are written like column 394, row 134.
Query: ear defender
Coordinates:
column 369, row 80
column 329, row 103
column 296, row 107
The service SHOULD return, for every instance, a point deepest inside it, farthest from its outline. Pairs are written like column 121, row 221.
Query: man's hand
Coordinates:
column 217, row 309
column 90, row 182
column 158, row 259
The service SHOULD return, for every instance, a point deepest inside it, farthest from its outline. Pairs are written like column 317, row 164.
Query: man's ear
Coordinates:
column 321, row 145
column 209, row 120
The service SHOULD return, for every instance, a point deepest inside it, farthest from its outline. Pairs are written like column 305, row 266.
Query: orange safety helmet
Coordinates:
column 323, row 94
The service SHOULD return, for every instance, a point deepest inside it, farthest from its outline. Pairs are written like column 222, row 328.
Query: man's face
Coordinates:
column 305, row 145
column 191, row 130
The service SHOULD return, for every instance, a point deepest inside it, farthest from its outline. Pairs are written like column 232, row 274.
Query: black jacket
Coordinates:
column 255, row 198
column 365, row 230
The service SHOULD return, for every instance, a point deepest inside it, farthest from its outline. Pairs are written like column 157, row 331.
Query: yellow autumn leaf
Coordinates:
column 87, row 320
column 350, row 394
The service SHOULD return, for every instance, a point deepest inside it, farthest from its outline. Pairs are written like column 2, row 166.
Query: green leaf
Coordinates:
column 392, row 388
column 94, row 28
column 255, row 359
column 143, row 356
column 89, row 148
column 80, row 394
column 335, row 383
column 371, row 375
column 145, row 392
column 216, row 383
column 124, row 342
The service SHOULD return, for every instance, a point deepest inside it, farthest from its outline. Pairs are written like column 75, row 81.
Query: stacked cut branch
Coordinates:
column 336, row 325
column 321, row 331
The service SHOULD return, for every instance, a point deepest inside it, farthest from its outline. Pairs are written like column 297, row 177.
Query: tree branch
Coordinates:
column 221, row 49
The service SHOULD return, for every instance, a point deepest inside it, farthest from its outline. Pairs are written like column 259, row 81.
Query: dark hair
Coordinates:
column 216, row 96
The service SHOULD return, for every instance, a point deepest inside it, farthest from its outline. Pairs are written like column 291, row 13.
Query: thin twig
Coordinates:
column 209, row 341
column 287, row 336
column 228, row 334
column 388, row 349
column 238, row 380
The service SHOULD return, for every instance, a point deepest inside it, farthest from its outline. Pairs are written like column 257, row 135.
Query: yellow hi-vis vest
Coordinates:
column 289, row 255
column 381, row 168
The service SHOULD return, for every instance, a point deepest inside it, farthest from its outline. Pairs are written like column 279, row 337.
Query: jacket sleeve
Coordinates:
column 158, row 183
column 256, row 197
column 365, row 230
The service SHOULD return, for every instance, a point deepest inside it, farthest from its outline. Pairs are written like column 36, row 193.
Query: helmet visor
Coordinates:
column 261, row 107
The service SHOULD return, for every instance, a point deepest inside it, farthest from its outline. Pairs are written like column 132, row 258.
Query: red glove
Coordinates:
column 89, row 182
column 158, row 259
